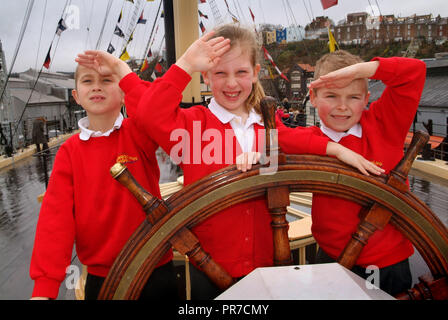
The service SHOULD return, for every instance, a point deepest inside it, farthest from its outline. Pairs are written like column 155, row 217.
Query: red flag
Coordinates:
column 328, row 3
column 47, row 59
column 158, row 67
column 252, row 14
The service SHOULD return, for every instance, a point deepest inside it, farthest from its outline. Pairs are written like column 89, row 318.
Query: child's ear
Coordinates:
column 205, row 77
column 75, row 95
column 367, row 97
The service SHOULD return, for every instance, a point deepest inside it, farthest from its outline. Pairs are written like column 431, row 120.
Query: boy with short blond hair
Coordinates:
column 85, row 205
column 340, row 94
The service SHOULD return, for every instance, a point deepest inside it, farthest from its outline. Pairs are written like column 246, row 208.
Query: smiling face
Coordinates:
column 341, row 108
column 231, row 81
column 98, row 94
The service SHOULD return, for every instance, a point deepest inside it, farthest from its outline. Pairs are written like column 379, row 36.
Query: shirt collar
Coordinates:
column 86, row 133
column 336, row 136
column 226, row 116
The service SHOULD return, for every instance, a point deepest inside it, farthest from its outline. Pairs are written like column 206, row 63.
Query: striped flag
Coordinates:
column 202, row 15
column 48, row 59
column 202, row 27
column 268, row 57
column 61, row 27
column 141, row 20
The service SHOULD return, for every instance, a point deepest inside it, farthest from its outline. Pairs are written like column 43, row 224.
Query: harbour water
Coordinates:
column 22, row 183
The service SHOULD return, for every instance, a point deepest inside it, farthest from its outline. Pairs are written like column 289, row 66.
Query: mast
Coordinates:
column 181, row 30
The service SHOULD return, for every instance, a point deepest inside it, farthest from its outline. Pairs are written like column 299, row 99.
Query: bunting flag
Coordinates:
column 328, row 3
column 158, row 67
column 61, row 27
column 120, row 16
column 149, row 55
column 144, row 65
column 201, row 1
column 202, row 15
column 202, row 27
column 162, row 15
column 235, row 20
column 118, row 32
column 125, row 55
column 252, row 15
column 332, row 44
column 110, row 48
column 130, row 1
column 268, row 57
column 48, row 59
column 153, row 76
column 141, row 20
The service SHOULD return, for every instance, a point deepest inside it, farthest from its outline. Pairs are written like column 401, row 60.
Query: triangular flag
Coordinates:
column 162, row 15
column 149, row 55
column 332, row 41
column 144, row 65
column 153, row 76
column 130, row 1
column 235, row 19
column 141, row 20
column 125, row 55
column 118, row 32
column 120, row 16
column 47, row 59
column 201, row 1
column 328, row 3
column 202, row 15
column 202, row 27
column 61, row 27
column 252, row 14
column 110, row 48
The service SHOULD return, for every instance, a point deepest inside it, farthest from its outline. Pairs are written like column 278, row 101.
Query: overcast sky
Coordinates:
column 45, row 14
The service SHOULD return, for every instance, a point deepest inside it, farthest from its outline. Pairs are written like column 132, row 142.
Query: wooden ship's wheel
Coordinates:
column 168, row 223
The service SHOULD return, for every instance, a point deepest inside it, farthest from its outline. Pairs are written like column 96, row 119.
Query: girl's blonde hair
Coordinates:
column 245, row 38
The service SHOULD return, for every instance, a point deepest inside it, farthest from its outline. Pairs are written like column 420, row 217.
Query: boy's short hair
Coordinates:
column 334, row 61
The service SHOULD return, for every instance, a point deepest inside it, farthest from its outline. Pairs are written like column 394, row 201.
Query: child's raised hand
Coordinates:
column 354, row 159
column 344, row 76
column 203, row 54
column 104, row 63
column 245, row 160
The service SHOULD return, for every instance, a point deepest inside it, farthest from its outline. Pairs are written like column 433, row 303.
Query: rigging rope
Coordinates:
column 109, row 5
column 22, row 32
column 35, row 83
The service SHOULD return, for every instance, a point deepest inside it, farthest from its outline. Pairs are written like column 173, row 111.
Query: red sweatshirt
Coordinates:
column 85, row 205
column 239, row 237
column 384, row 128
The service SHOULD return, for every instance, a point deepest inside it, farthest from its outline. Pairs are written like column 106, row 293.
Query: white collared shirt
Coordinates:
column 86, row 133
column 244, row 132
column 336, row 136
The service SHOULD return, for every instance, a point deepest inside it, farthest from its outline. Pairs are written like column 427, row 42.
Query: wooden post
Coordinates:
column 278, row 200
